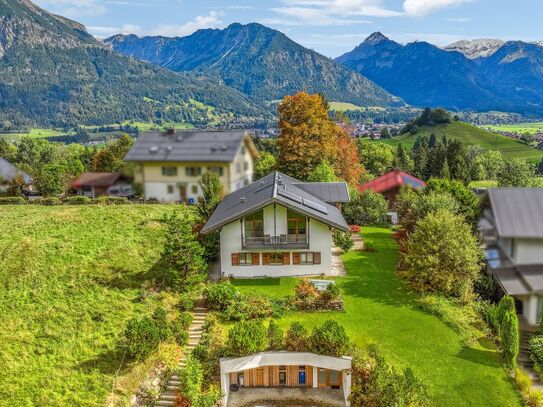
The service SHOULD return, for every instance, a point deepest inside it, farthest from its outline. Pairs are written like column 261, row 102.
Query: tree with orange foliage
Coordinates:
column 309, row 136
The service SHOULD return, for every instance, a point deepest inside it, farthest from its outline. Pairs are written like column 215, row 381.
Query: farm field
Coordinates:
column 529, row 127
column 379, row 309
column 34, row 133
column 71, row 277
column 471, row 135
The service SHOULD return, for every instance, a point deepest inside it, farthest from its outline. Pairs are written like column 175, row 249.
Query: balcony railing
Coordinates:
column 275, row 242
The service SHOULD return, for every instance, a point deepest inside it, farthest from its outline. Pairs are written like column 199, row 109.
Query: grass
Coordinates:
column 33, row 133
column 380, row 310
column 345, row 106
column 70, row 278
column 529, row 127
column 471, row 135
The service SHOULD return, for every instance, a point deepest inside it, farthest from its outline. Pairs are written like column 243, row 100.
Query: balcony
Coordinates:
column 275, row 242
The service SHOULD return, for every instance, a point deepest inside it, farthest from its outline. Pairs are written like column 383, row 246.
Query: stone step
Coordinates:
column 174, row 376
column 168, row 387
column 199, row 309
column 164, row 403
column 172, row 382
column 169, row 395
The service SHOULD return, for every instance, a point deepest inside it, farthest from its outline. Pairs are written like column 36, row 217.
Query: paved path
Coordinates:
column 168, row 397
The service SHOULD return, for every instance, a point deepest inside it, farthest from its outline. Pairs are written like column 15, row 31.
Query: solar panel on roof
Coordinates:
column 290, row 195
column 315, row 206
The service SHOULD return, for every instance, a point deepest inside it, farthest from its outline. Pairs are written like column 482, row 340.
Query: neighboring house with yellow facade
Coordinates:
column 170, row 164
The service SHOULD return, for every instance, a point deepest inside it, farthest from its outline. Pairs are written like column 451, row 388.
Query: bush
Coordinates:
column 442, row 255
column 536, row 351
column 275, row 336
column 186, row 302
column 506, row 306
column 329, row 339
column 307, row 297
column 368, row 208
column 185, row 319
column 111, row 200
column 142, row 337
column 306, row 293
column 160, row 318
column 12, row 200
column 47, row 201
column 246, row 337
column 377, row 384
column 509, row 337
column 220, row 295
column 179, row 332
column 297, row 338
column 331, row 293
column 249, row 307
column 77, row 200
column 343, row 240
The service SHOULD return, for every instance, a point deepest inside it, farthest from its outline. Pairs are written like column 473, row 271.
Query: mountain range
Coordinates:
column 258, row 61
column 478, row 75
column 52, row 72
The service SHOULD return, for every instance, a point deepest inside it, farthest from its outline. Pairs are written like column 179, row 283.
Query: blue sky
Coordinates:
column 331, row 27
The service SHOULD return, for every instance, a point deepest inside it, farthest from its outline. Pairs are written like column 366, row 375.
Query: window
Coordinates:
column 296, row 227
column 170, row 189
column 216, row 170
column 243, row 150
column 276, row 258
column 169, row 171
column 238, row 168
column 254, row 225
column 246, row 166
column 333, row 377
column 194, row 189
column 193, row 171
column 246, row 259
column 306, row 258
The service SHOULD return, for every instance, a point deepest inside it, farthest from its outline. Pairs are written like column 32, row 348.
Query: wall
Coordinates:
column 239, row 176
column 320, row 240
column 529, row 251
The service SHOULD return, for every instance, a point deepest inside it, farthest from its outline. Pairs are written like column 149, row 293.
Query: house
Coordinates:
column 9, row 172
column 511, row 227
column 170, row 164
column 278, row 226
column 390, row 184
column 95, row 184
column 283, row 371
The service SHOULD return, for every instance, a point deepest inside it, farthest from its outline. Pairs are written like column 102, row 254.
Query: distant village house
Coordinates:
column 95, row 184
column 8, row 173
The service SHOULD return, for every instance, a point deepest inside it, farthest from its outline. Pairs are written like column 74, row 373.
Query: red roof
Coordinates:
column 96, row 179
column 392, row 180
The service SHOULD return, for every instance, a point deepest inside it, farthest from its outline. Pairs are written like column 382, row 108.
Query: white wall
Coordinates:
column 159, row 191
column 529, row 251
column 320, row 240
column 239, row 176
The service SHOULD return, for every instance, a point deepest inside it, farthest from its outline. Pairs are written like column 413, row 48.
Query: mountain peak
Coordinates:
column 375, row 38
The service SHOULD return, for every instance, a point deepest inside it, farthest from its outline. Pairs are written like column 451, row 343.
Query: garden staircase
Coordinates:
column 523, row 358
column 169, row 396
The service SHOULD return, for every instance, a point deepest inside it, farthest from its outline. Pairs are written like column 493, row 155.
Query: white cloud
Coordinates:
column 167, row 30
column 423, row 7
column 313, row 16
column 74, row 8
column 459, row 19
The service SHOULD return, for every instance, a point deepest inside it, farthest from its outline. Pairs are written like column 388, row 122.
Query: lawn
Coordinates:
column 345, row 106
column 379, row 309
column 34, row 133
column 70, row 278
column 471, row 135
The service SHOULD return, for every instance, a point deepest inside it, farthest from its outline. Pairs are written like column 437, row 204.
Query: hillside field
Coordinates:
column 529, row 127
column 472, row 135
column 70, row 279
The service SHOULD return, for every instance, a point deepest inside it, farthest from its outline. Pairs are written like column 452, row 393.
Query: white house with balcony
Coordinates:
column 512, row 229
column 170, row 164
column 278, row 226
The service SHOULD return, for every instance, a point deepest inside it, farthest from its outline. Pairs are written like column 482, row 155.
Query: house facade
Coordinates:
column 95, row 184
column 170, row 165
column 511, row 227
column 278, row 226
column 9, row 172
column 281, row 369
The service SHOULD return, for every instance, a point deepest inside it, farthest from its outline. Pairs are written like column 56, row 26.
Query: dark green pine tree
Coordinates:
column 403, row 161
column 445, row 172
column 433, row 140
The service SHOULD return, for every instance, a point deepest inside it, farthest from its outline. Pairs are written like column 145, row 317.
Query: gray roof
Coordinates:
column 331, row 192
column 521, row 279
column 518, row 212
column 188, row 146
column 274, row 188
column 9, row 171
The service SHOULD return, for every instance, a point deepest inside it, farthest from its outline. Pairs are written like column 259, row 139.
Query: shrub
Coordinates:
column 77, row 200
column 185, row 319
column 111, row 200
column 368, row 208
column 220, row 295
column 506, row 306
column 47, row 201
column 331, row 293
column 306, row 292
column 329, row 339
column 493, row 319
column 160, row 318
column 343, row 240
column 246, row 337
column 12, row 200
column 186, row 302
column 142, row 337
column 536, row 351
column 275, row 336
column 523, row 380
column 509, row 337
column 249, row 307
column 297, row 337
column 191, row 381
column 179, row 332
column 354, row 229
column 442, row 255
column 534, row 398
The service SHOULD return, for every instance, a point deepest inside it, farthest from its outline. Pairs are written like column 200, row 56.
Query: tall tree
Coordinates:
column 111, row 158
column 403, row 161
